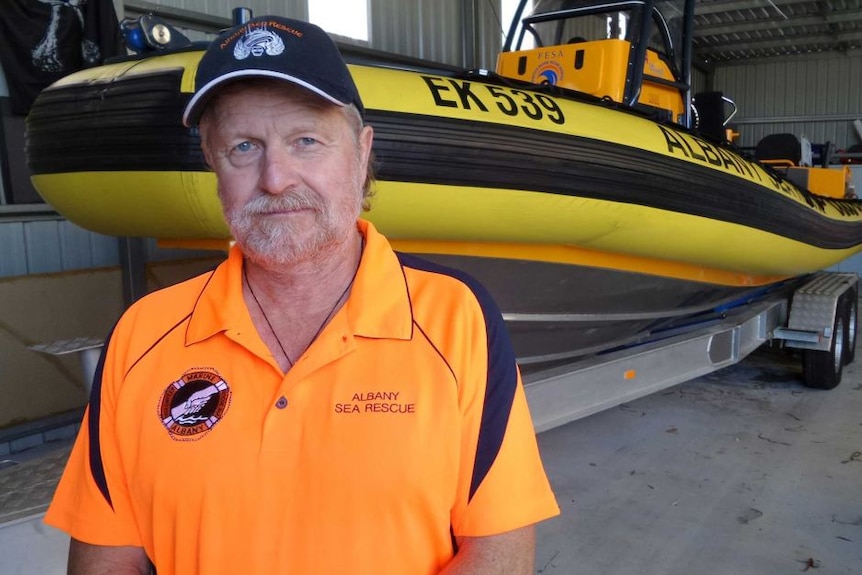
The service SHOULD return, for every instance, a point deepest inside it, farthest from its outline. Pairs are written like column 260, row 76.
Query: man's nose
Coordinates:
column 280, row 171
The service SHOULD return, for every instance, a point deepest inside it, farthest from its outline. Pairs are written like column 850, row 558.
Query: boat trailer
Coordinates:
column 819, row 318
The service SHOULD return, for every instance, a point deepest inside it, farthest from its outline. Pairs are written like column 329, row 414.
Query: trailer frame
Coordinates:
column 812, row 317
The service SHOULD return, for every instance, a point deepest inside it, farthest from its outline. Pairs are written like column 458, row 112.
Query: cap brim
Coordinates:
column 201, row 97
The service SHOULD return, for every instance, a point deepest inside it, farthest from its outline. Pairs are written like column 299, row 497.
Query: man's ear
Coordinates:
column 366, row 140
column 207, row 158
column 206, row 149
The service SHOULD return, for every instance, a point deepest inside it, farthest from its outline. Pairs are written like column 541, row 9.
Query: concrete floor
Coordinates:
column 741, row 472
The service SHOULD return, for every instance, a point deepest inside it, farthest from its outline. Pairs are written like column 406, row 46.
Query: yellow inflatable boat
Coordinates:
column 573, row 180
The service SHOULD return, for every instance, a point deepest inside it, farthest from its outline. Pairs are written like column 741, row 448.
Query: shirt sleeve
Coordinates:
column 91, row 502
column 508, row 487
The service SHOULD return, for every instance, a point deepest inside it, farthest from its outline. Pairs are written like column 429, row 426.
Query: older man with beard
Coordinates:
column 291, row 168
column 319, row 403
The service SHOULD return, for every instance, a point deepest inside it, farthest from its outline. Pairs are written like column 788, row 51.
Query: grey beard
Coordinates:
column 274, row 243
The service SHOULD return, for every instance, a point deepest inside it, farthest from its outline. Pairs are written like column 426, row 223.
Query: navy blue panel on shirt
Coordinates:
column 97, row 468
column 502, row 372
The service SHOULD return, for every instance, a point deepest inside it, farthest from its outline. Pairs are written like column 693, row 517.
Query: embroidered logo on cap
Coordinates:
column 257, row 43
column 192, row 405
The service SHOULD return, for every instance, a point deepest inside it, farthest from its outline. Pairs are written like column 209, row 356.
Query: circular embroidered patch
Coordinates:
column 193, row 404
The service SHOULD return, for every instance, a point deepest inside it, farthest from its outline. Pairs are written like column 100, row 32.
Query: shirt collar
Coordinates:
column 378, row 306
column 379, row 303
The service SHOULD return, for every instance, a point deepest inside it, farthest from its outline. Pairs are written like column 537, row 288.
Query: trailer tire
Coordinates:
column 823, row 369
column 851, row 305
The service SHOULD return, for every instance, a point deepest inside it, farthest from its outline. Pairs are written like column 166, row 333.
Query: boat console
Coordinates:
column 625, row 52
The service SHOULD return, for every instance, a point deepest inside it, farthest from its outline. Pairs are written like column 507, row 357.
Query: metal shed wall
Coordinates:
column 50, row 244
column 817, row 96
column 699, row 80
column 459, row 32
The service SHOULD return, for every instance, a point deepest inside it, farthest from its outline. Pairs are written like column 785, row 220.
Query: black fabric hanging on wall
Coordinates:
column 43, row 40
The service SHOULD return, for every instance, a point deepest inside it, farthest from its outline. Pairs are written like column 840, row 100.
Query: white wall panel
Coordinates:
column 104, row 251
column 490, row 34
column 223, row 8
column 52, row 245
column 80, row 248
column 397, row 27
column 441, row 29
column 76, row 247
column 435, row 30
column 43, row 247
column 429, row 29
column 816, row 96
column 13, row 261
column 699, row 81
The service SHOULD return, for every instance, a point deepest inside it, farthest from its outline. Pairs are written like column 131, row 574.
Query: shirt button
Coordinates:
column 281, row 403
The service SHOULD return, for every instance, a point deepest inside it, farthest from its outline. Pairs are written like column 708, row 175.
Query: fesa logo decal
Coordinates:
column 655, row 69
column 466, row 95
column 551, row 72
column 376, row 402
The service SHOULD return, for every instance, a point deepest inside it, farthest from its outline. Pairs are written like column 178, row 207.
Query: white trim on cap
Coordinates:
column 253, row 72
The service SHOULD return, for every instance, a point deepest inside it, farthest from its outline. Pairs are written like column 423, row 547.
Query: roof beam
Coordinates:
column 770, row 58
column 756, row 25
column 797, row 43
column 719, row 7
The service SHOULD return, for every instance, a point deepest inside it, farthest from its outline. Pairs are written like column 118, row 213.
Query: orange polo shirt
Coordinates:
column 404, row 423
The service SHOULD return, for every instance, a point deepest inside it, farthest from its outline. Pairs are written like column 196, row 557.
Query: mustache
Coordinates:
column 298, row 200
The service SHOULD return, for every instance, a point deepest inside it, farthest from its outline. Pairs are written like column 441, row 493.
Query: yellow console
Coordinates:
column 594, row 67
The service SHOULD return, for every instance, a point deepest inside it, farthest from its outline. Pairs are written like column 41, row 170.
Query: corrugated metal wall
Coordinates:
column 426, row 29
column 52, row 245
column 463, row 33
column 698, row 80
column 816, row 96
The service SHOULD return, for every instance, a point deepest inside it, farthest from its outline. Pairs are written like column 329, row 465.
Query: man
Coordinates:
column 318, row 404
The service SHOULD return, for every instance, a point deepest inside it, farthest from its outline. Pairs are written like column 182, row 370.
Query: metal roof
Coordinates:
column 728, row 30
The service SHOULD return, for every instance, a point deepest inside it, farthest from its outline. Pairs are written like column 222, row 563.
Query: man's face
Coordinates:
column 290, row 170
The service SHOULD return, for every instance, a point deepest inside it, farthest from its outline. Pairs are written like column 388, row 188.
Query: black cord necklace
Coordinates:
column 322, row 325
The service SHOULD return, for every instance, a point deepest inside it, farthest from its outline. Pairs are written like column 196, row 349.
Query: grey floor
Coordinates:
column 741, row 472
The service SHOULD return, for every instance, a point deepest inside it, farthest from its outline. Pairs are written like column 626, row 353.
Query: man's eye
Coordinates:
column 244, row 147
column 306, row 141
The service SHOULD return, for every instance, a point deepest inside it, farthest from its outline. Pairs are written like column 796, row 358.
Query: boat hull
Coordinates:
column 556, row 312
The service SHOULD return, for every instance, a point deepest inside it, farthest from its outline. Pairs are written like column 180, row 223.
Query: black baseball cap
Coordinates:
column 273, row 47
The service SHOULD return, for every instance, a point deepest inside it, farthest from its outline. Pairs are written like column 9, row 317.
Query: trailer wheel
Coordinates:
column 851, row 305
column 822, row 369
